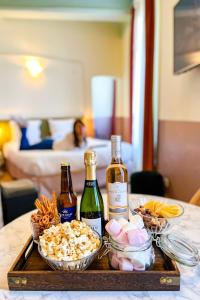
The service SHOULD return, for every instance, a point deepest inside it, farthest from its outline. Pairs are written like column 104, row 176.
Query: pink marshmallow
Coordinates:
column 113, row 227
column 122, row 238
column 137, row 237
column 138, row 266
column 125, row 265
column 115, row 261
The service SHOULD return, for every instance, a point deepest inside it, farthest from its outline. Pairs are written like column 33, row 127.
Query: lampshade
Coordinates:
column 5, row 133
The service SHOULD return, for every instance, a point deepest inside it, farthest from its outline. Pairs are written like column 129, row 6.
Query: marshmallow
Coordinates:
column 137, row 265
column 129, row 226
column 113, row 227
column 125, row 265
column 114, row 261
column 137, row 237
column 122, row 222
column 122, row 238
column 137, row 221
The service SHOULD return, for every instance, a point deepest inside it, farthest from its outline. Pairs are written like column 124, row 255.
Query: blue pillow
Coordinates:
column 43, row 145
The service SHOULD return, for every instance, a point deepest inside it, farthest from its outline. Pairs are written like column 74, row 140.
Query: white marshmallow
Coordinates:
column 138, row 265
column 122, row 222
column 129, row 226
column 125, row 265
column 137, row 221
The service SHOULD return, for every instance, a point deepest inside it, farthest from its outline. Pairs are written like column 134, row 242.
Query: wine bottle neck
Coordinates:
column 116, row 152
column 90, row 172
column 66, row 180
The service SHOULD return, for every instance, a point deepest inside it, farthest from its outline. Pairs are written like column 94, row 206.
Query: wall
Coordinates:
column 73, row 53
column 122, row 125
column 179, row 116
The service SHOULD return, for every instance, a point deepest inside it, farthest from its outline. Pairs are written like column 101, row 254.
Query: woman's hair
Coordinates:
column 76, row 138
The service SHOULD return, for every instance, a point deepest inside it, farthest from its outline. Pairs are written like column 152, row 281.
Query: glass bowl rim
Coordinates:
column 75, row 260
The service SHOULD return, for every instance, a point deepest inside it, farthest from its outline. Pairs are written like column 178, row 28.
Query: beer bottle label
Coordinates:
column 67, row 214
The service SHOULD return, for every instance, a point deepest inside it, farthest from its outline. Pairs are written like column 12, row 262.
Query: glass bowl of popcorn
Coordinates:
column 69, row 246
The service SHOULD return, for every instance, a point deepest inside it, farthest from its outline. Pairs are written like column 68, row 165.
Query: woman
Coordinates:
column 78, row 138
column 80, row 135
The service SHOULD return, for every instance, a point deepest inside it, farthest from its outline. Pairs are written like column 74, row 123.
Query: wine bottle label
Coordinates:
column 90, row 183
column 95, row 224
column 117, row 194
column 67, row 214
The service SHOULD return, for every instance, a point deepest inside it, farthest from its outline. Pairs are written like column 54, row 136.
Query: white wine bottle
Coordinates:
column 92, row 208
column 117, row 182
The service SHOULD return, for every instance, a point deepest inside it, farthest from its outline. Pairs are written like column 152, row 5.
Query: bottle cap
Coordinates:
column 116, row 138
column 90, row 158
column 65, row 164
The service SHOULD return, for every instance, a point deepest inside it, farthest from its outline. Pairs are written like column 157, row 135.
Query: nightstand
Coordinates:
column 1, row 164
column 4, row 175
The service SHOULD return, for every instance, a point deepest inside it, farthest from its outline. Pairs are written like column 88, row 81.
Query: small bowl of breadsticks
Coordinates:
column 46, row 215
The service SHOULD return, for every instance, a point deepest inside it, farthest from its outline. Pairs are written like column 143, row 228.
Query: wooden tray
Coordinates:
column 30, row 272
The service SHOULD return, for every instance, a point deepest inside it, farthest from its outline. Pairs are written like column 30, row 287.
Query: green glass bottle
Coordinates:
column 92, row 208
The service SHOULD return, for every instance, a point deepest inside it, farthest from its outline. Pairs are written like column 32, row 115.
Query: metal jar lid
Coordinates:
column 179, row 248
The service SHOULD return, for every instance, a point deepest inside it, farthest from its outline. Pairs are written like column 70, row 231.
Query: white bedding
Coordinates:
column 47, row 162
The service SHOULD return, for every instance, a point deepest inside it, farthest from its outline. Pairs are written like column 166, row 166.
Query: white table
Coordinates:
column 14, row 235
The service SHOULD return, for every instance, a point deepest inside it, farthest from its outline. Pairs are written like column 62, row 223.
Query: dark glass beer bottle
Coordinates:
column 67, row 200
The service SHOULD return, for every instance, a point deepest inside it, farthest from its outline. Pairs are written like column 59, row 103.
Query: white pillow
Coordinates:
column 60, row 128
column 15, row 133
column 34, row 131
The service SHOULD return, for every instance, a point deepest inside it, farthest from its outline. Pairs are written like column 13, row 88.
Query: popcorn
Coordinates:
column 68, row 241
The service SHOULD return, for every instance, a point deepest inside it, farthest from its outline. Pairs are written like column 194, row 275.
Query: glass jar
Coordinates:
column 38, row 227
column 129, row 258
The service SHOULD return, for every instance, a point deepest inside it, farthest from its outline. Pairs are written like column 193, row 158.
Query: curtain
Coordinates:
column 131, row 74
column 114, row 108
column 148, row 98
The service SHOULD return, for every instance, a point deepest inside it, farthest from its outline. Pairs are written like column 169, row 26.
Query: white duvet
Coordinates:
column 47, row 162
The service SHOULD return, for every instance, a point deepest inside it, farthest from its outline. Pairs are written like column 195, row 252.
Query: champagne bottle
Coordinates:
column 67, row 200
column 92, row 208
column 117, row 182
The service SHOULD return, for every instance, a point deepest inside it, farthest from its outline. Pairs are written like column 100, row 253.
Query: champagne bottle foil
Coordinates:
column 90, row 158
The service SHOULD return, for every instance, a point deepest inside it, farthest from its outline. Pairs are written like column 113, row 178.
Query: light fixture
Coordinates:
column 5, row 133
column 34, row 67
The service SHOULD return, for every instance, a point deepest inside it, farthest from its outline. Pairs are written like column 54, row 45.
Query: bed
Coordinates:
column 43, row 166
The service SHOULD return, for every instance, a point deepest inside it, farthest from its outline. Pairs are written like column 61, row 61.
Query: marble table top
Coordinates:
column 14, row 235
